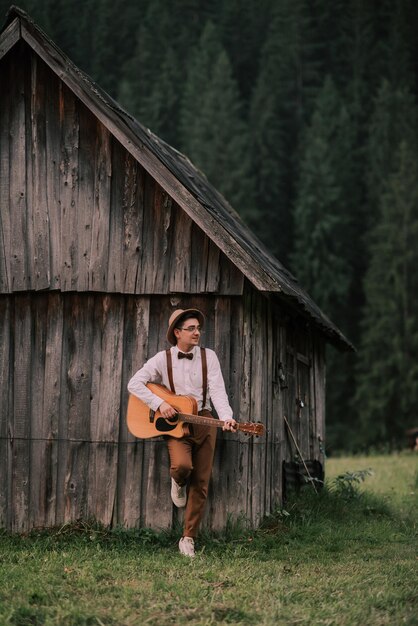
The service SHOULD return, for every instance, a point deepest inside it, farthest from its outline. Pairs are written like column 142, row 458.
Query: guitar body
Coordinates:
column 144, row 423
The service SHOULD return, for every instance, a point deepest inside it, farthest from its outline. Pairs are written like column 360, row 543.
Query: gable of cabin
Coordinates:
column 78, row 212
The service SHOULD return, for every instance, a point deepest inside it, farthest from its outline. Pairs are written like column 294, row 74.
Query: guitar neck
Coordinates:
column 199, row 419
column 248, row 428
column 245, row 427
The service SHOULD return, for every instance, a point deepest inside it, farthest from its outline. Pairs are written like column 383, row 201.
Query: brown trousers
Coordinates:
column 191, row 460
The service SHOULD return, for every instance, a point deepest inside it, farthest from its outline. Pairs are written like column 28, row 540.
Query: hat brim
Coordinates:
column 171, row 338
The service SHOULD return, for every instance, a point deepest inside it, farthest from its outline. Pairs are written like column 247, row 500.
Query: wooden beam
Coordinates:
column 9, row 37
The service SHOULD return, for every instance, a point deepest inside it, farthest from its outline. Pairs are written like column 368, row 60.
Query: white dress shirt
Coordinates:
column 187, row 378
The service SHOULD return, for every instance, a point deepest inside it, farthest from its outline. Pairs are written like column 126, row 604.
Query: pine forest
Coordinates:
column 303, row 113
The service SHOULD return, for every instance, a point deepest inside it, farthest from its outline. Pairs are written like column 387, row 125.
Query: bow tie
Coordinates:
column 185, row 355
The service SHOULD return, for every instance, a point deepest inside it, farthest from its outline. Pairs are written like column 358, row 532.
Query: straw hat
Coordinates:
column 175, row 318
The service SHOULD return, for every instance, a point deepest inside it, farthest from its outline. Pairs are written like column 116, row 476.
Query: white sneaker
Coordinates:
column 186, row 546
column 178, row 494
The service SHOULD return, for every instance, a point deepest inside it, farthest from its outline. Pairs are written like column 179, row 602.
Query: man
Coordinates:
column 188, row 370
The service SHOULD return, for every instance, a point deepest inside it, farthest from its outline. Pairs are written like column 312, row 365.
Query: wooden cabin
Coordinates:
column 104, row 231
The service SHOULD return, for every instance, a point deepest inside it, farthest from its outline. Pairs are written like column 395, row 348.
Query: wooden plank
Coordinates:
column 45, row 408
column 19, row 277
column 320, row 386
column 155, row 489
column 313, row 439
column 53, row 173
column 245, row 401
column 278, row 435
column 258, row 405
column 38, row 177
column 304, row 408
column 199, row 260
column 291, row 411
column 105, row 406
column 133, row 215
column 51, row 405
column 313, row 434
column 304, row 363
column 217, row 504
column 225, row 460
column 75, row 402
column 9, row 37
column 267, row 416
column 158, row 512
column 37, row 445
column 129, row 483
column 163, row 233
column 116, row 225
column 213, row 268
column 231, row 279
column 227, row 452
column 101, row 210
column 156, row 240
column 20, row 417
column 69, row 168
column 67, row 349
column 146, row 276
column 86, row 190
column 181, row 252
column 5, row 217
column 236, row 356
column 6, row 407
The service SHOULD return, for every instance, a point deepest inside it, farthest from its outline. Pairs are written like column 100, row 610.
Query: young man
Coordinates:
column 188, row 370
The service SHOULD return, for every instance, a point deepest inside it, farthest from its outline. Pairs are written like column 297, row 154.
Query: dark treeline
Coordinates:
column 304, row 114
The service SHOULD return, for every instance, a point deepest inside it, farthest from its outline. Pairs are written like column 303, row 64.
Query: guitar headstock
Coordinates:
column 252, row 428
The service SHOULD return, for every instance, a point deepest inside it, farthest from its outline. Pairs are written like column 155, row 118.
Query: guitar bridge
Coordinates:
column 151, row 416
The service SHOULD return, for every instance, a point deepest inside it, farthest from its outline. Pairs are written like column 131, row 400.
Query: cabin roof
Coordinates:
column 177, row 175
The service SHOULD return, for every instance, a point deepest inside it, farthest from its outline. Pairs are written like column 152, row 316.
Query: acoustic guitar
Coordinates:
column 145, row 423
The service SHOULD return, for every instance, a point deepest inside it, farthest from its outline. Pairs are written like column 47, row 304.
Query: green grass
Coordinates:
column 345, row 557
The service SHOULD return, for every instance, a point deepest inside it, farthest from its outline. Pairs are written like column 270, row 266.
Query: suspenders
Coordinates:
column 170, row 369
column 204, row 373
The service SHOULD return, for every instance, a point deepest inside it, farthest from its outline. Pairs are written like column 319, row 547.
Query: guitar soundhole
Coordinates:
column 164, row 425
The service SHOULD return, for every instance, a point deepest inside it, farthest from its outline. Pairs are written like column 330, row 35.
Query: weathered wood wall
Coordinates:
column 78, row 213
column 65, row 452
column 90, row 246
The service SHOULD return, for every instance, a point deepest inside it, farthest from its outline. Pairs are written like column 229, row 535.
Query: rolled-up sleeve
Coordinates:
column 150, row 372
column 217, row 389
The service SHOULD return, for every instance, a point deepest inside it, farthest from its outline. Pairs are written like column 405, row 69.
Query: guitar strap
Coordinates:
column 204, row 372
column 204, row 375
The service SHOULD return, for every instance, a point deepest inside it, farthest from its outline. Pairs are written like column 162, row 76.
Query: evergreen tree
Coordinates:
column 325, row 239
column 161, row 106
column 323, row 205
column 242, row 29
column 153, row 78
column 65, row 22
column 214, row 134
column 115, row 26
column 280, row 107
column 387, row 393
column 395, row 111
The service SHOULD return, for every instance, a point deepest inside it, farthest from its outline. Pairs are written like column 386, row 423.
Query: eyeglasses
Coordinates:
column 191, row 329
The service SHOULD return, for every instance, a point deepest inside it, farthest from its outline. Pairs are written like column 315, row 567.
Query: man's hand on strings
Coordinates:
column 167, row 410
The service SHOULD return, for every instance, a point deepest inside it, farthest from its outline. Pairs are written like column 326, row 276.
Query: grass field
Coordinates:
column 346, row 557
